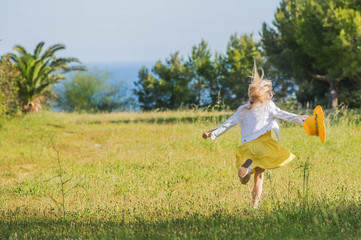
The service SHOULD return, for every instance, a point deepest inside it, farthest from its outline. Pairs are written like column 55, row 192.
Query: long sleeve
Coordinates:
column 229, row 123
column 290, row 117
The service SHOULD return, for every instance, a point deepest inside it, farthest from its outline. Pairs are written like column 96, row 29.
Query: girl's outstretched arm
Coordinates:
column 287, row 116
column 229, row 123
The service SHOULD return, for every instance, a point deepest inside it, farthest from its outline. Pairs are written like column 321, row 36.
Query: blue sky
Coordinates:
column 133, row 30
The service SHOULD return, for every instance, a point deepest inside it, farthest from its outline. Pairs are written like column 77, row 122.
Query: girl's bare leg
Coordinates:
column 257, row 189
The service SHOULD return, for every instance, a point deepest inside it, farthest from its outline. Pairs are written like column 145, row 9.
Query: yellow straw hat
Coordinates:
column 315, row 125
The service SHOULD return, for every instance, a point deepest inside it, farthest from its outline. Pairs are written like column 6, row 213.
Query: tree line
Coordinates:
column 201, row 79
column 311, row 52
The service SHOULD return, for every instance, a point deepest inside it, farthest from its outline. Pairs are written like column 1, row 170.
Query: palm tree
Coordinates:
column 40, row 70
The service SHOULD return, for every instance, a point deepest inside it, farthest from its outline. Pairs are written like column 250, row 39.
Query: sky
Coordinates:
column 132, row 30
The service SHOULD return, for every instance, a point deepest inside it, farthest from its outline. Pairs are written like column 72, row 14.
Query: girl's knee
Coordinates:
column 259, row 173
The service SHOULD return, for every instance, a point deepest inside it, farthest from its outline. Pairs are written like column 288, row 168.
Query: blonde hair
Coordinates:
column 260, row 90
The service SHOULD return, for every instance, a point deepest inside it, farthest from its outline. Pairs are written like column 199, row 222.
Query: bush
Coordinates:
column 9, row 95
column 91, row 92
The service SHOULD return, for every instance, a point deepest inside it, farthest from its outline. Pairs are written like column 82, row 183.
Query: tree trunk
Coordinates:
column 34, row 106
column 333, row 94
column 333, row 101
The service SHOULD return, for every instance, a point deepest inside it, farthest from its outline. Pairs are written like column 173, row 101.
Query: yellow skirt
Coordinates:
column 265, row 152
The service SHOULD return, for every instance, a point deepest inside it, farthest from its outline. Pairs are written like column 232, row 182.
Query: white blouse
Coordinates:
column 256, row 122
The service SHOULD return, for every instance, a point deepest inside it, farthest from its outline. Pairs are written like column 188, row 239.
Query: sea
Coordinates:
column 126, row 72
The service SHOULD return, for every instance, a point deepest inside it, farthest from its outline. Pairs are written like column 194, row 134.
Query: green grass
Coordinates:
column 151, row 176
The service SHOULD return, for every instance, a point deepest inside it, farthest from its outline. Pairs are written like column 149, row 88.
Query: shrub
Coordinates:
column 91, row 92
column 9, row 95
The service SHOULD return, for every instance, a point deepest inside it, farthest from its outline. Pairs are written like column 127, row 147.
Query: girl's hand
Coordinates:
column 207, row 134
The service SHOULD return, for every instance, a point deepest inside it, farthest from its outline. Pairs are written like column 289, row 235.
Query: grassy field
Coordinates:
column 152, row 176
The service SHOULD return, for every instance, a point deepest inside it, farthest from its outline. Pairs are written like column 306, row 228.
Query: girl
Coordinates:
column 259, row 149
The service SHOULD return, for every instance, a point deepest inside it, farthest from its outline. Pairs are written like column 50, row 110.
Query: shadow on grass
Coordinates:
column 303, row 222
column 162, row 120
